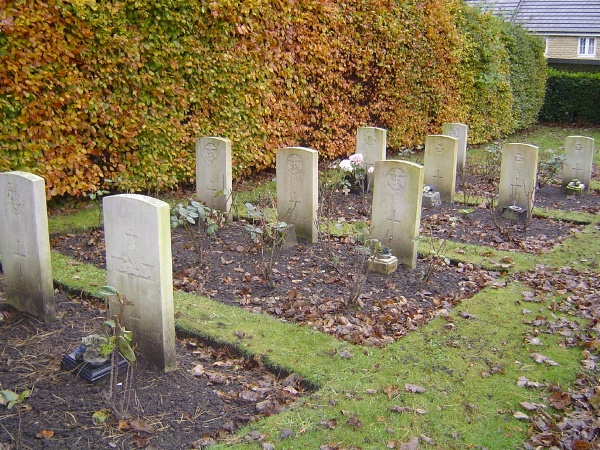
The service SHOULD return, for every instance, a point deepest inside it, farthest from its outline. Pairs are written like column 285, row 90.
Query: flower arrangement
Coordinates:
column 355, row 172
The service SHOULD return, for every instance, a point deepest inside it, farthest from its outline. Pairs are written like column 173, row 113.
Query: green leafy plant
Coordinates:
column 118, row 344
column 268, row 235
column 549, row 168
column 186, row 215
column 367, row 249
column 11, row 398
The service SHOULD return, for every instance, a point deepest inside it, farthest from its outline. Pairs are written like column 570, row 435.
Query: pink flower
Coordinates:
column 357, row 158
column 371, row 169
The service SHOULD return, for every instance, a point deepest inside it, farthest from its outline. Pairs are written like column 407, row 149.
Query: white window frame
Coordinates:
column 587, row 46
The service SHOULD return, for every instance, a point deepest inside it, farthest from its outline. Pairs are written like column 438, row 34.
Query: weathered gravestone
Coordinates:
column 25, row 245
column 459, row 131
column 396, row 209
column 579, row 155
column 518, row 174
column 297, row 190
column 440, row 165
column 139, row 265
column 213, row 172
column 371, row 143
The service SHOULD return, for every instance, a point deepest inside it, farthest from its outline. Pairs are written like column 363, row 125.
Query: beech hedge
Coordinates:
column 572, row 97
column 113, row 94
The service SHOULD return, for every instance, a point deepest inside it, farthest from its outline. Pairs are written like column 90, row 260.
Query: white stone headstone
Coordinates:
column 213, row 172
column 579, row 156
column 396, row 209
column 440, row 165
column 139, row 265
column 25, row 245
column 371, row 142
column 459, row 131
column 518, row 174
column 297, row 190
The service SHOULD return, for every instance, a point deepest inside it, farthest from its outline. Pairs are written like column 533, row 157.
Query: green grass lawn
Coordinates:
column 452, row 382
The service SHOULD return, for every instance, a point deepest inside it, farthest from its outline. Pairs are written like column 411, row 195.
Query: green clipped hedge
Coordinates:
column 572, row 97
column 113, row 94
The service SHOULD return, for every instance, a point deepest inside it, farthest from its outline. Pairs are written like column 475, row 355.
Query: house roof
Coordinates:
column 576, row 17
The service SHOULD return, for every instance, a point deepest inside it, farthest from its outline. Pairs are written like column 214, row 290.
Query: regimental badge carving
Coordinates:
column 13, row 198
column 396, row 179
column 369, row 137
column 453, row 132
column 129, row 260
column 578, row 147
column 210, row 152
column 519, row 157
column 294, row 164
column 439, row 147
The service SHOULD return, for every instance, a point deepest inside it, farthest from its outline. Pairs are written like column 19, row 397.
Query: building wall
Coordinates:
column 566, row 47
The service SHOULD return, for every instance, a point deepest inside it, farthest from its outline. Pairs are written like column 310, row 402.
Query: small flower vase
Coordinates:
column 355, row 185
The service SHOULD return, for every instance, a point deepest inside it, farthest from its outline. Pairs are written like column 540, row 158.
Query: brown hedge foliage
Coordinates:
column 119, row 90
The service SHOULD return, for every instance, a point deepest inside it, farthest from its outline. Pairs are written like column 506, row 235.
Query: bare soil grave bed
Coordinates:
column 213, row 392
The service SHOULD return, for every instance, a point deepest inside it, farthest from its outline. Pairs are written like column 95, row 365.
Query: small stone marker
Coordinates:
column 139, row 265
column 459, row 131
column 579, row 155
column 25, row 245
column 371, row 142
column 297, row 190
column 440, row 165
column 213, row 172
column 518, row 174
column 396, row 210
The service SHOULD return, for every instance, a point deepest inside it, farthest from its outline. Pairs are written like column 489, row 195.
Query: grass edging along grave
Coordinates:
column 362, row 400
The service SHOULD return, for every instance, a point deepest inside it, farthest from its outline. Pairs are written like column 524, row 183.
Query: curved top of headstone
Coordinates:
column 581, row 137
column 405, row 163
column 298, row 148
column 19, row 173
column 138, row 197
column 373, row 128
column 522, row 145
column 217, row 138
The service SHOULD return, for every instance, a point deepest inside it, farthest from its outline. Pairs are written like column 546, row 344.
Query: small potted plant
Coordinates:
column 98, row 354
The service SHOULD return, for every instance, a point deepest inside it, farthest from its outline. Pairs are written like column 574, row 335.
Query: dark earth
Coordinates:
column 213, row 391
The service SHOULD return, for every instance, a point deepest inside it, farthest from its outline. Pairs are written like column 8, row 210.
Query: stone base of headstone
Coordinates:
column 431, row 199
column 385, row 265
column 515, row 213
column 289, row 238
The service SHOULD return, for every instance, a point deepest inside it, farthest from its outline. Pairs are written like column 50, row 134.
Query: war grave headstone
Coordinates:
column 297, row 190
column 579, row 156
column 459, row 131
column 396, row 209
column 371, row 142
column 139, row 265
column 440, row 165
column 213, row 172
column 518, row 174
column 25, row 245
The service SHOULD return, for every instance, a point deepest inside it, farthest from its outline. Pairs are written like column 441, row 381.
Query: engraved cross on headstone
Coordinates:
column 577, row 171
column 290, row 212
column 20, row 257
column 394, row 221
column 438, row 176
column 514, row 186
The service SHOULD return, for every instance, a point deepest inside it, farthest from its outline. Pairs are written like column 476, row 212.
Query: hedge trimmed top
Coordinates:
column 119, row 90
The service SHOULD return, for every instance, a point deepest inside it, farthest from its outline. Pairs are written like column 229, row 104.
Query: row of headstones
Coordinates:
column 138, row 260
column 137, row 228
column 397, row 185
